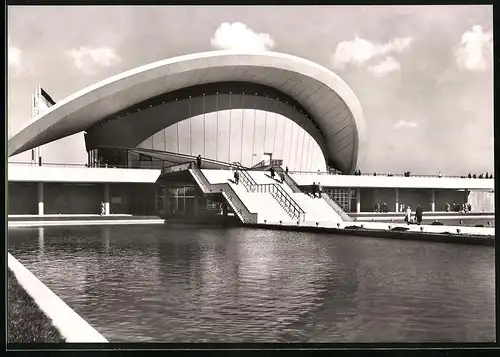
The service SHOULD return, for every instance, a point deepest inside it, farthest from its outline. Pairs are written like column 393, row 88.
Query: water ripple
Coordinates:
column 158, row 284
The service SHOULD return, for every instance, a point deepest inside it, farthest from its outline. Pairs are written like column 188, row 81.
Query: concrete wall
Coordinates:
column 482, row 201
column 304, row 179
column 73, row 198
column 47, row 173
column 22, row 198
column 136, row 199
column 411, row 197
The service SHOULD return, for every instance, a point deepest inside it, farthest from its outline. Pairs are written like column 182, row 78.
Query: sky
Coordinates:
column 423, row 74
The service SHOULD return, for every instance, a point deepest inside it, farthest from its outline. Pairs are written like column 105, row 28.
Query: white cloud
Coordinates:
column 388, row 65
column 405, row 124
column 475, row 52
column 15, row 57
column 238, row 36
column 88, row 59
column 359, row 51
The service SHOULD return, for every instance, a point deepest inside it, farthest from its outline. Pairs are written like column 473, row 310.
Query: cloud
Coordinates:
column 388, row 65
column 88, row 59
column 359, row 51
column 401, row 124
column 475, row 52
column 238, row 36
column 15, row 57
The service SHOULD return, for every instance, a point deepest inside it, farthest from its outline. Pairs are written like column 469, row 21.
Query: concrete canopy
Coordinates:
column 332, row 104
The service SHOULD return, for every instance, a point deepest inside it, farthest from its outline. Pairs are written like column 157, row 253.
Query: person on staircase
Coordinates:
column 198, row 161
column 236, row 177
column 320, row 189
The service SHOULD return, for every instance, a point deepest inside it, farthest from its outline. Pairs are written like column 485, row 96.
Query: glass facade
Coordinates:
column 341, row 197
column 108, row 157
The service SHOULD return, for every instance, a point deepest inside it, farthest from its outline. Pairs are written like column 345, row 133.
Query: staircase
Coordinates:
column 260, row 199
column 239, row 208
column 286, row 202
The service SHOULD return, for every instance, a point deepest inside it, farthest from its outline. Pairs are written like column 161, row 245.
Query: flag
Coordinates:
column 41, row 102
column 45, row 101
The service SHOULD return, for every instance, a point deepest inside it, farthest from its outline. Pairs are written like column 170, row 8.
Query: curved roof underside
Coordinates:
column 333, row 105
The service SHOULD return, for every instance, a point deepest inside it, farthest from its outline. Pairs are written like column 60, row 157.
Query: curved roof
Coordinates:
column 333, row 105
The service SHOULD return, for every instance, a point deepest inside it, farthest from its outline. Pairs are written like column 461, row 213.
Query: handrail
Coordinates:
column 289, row 180
column 345, row 217
column 179, row 167
column 279, row 194
column 283, row 198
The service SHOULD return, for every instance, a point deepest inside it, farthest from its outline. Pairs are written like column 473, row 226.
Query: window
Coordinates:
column 340, row 196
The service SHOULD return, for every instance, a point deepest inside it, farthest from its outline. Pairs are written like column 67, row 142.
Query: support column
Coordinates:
column 156, row 199
column 40, row 199
column 166, row 208
column 433, row 200
column 397, row 199
column 349, row 195
column 358, row 200
column 106, row 199
column 195, row 205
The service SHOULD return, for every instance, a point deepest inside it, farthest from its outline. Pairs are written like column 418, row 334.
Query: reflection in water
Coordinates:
column 160, row 284
column 41, row 235
column 105, row 238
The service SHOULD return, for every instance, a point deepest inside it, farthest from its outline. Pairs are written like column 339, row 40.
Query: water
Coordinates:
column 159, row 284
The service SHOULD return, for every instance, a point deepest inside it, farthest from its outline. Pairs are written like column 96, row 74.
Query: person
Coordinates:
column 236, row 177
column 313, row 189
column 102, row 209
column 418, row 214
column 377, row 207
column 469, row 175
column 447, row 207
column 474, row 176
column 272, row 172
column 282, row 177
column 439, row 174
column 469, row 207
column 198, row 161
column 408, row 215
column 286, row 170
column 374, row 174
column 320, row 189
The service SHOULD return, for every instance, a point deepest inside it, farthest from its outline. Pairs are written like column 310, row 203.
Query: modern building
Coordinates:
column 225, row 106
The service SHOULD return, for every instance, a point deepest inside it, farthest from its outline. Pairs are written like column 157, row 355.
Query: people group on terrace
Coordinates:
column 408, row 174
column 458, row 207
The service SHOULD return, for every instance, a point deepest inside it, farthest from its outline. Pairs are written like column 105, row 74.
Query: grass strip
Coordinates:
column 26, row 322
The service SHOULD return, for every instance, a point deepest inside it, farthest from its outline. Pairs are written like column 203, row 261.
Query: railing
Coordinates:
column 102, row 166
column 227, row 192
column 284, row 199
column 289, row 180
column 176, row 168
column 382, row 174
column 279, row 194
column 345, row 217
